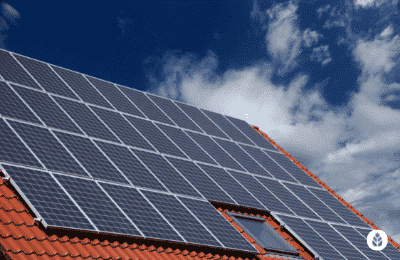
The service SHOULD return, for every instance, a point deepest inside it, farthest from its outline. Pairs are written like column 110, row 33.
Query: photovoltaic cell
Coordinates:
column 46, row 77
column 145, row 105
column 290, row 200
column 50, row 113
column 12, row 150
column 116, row 98
column 142, row 214
column 251, row 133
column 312, row 201
column 155, row 136
column 12, row 106
column 166, row 173
column 181, row 219
column 215, row 151
column 312, row 238
column 293, row 169
column 232, row 187
column 218, row 225
column 124, row 159
column 390, row 251
column 85, row 118
column 227, row 127
column 201, row 120
column 336, row 240
column 186, row 144
column 82, row 87
column 122, row 128
column 47, row 148
column 53, row 204
column 10, row 70
column 104, row 214
column 260, row 192
column 200, row 180
column 246, row 161
column 339, row 208
column 174, row 113
column 91, row 158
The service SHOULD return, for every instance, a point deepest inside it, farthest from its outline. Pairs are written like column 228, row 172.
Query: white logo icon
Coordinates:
column 377, row 240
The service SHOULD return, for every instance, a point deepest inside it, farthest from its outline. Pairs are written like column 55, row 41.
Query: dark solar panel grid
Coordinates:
column 48, row 198
column 46, row 77
column 166, row 173
column 141, row 213
column 98, row 206
column 181, row 219
column 390, row 251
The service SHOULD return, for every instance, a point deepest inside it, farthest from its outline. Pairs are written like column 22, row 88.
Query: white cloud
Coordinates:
column 387, row 32
column 9, row 13
column 321, row 54
column 364, row 3
column 322, row 10
column 310, row 37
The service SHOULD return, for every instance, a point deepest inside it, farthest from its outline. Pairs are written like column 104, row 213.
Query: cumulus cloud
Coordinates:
column 387, row 32
column 322, row 55
column 310, row 37
column 322, row 10
column 9, row 15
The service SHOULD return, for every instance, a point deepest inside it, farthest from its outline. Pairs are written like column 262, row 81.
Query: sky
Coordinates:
column 321, row 78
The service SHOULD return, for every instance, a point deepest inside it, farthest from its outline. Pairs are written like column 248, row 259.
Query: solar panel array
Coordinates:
column 98, row 145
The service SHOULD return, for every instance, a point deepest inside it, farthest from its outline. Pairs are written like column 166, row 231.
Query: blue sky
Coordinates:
column 319, row 77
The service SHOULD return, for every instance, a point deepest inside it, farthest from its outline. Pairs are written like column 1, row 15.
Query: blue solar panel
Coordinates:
column 181, row 219
column 312, row 238
column 174, row 113
column 46, row 77
column 290, row 200
column 50, row 113
column 200, row 180
column 101, row 210
column 145, row 105
column 12, row 71
column 339, row 208
column 12, row 106
column 115, row 97
column 260, row 192
column 201, row 120
column 82, row 87
column 142, row 214
column 155, row 136
column 91, row 158
column 121, row 128
column 48, row 149
column 127, row 163
column 215, row 151
column 218, row 225
column 390, row 251
column 166, row 173
column 312, row 201
column 232, row 187
column 85, row 118
column 48, row 198
column 293, row 169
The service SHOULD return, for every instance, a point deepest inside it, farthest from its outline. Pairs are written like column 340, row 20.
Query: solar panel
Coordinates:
column 12, row 71
column 166, row 173
column 232, row 187
column 101, row 210
column 85, row 118
column 340, row 209
column 48, row 111
column 390, row 251
column 46, row 77
column 47, row 148
column 183, row 221
column 309, row 236
column 145, row 105
column 293, row 169
column 290, row 200
column 12, row 106
column 48, row 198
column 218, row 225
column 201, row 120
column 215, row 151
column 116, row 98
column 174, row 113
column 186, row 144
column 81, row 87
